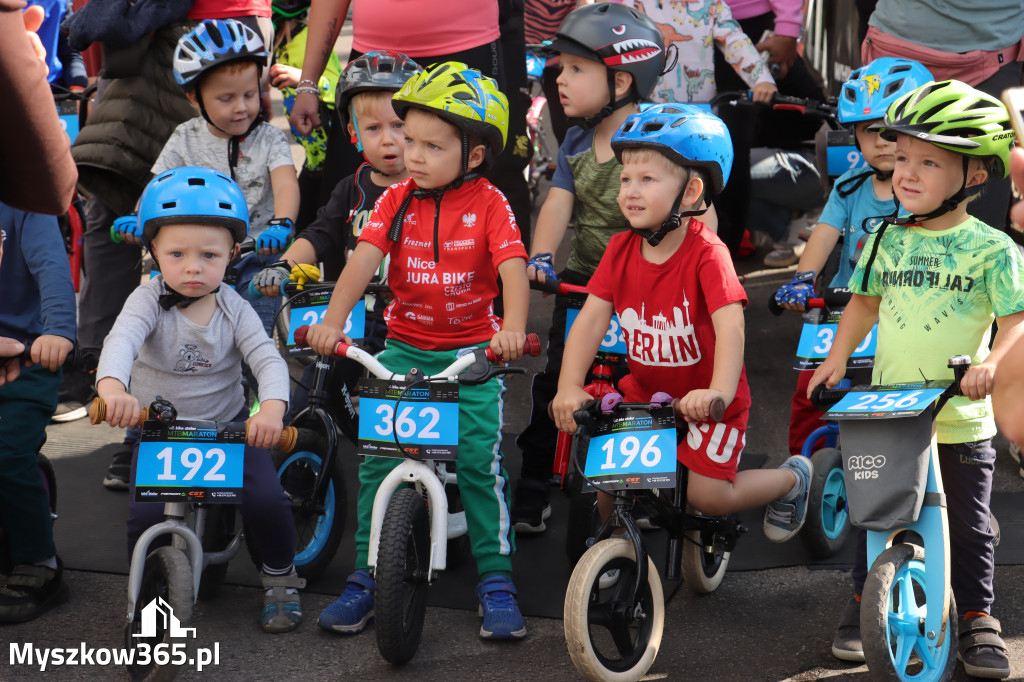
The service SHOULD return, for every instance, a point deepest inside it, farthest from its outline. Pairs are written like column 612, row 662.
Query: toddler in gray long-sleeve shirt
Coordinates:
column 184, row 336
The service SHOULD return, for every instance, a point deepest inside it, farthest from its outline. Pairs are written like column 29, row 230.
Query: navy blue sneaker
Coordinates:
column 784, row 518
column 498, row 606
column 353, row 610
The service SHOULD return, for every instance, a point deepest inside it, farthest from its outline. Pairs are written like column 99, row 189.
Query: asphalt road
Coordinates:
column 759, row 625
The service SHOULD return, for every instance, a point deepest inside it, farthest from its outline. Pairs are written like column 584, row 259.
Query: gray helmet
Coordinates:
column 377, row 70
column 617, row 36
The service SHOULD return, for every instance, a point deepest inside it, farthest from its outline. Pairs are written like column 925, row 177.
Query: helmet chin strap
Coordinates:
column 674, row 220
column 947, row 206
column 233, row 140
column 612, row 106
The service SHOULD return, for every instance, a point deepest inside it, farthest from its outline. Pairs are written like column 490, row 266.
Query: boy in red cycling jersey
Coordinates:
column 680, row 306
column 449, row 234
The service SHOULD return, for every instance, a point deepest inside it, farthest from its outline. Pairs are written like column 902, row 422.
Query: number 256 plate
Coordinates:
column 634, row 449
column 887, row 401
column 192, row 460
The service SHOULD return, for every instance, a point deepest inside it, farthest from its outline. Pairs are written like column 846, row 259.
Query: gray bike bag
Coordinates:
column 885, row 465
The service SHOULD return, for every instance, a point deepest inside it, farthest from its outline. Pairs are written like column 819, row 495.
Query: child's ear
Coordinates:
column 693, row 190
column 977, row 175
column 623, row 82
column 352, row 133
column 476, row 156
column 191, row 94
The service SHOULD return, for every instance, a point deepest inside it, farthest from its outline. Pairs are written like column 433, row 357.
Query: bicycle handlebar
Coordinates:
column 557, row 286
column 73, row 361
column 450, row 373
column 584, row 415
column 812, row 108
column 98, row 413
column 831, row 300
column 823, row 398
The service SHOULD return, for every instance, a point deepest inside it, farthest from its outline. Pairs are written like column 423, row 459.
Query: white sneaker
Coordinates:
column 785, row 255
column 609, row 578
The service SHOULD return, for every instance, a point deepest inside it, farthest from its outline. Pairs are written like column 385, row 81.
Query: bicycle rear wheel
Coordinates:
column 828, row 520
column 704, row 561
column 611, row 635
column 403, row 562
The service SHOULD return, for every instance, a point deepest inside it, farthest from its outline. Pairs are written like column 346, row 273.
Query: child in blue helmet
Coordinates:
column 855, row 207
column 672, row 284
column 184, row 336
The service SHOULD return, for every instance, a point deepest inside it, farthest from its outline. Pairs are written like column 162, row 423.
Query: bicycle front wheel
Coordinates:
column 892, row 616
column 167, row 577
column 403, row 562
column 319, row 522
column 611, row 635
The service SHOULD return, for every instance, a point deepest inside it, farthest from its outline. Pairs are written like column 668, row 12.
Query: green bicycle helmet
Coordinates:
column 954, row 116
column 462, row 96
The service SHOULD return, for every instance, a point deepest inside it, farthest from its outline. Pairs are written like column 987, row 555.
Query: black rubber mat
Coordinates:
column 90, row 535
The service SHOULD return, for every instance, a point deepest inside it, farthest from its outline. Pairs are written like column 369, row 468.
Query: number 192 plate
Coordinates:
column 635, row 448
column 190, row 460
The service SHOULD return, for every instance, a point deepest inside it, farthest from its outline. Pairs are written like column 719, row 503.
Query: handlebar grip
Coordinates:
column 300, row 335
column 774, row 307
column 717, row 411
column 584, row 414
column 532, row 347
column 823, row 398
column 98, row 413
column 550, row 286
column 254, row 291
column 115, row 236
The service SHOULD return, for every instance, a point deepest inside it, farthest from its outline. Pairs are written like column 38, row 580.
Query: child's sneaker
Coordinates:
column 530, row 506
column 282, row 608
column 847, row 644
column 350, row 612
column 31, row 591
column 498, row 606
column 120, row 469
column 785, row 517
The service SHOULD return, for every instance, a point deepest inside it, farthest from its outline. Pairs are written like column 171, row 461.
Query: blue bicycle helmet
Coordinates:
column 686, row 134
column 212, row 43
column 870, row 90
column 193, row 195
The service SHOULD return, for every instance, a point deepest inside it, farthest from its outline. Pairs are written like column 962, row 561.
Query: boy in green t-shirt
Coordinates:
column 936, row 280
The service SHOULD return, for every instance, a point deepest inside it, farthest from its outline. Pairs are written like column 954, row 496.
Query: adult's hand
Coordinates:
column 781, row 51
column 33, row 17
column 10, row 359
column 305, row 113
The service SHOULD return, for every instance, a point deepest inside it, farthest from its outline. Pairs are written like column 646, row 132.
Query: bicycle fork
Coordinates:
column 932, row 526
column 173, row 525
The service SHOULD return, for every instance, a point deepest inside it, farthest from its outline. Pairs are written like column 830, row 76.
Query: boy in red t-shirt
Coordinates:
column 449, row 234
column 681, row 310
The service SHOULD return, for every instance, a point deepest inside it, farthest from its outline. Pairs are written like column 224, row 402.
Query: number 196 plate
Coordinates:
column 635, row 448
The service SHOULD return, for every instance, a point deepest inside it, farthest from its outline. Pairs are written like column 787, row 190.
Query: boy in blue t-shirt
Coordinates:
column 611, row 58
column 935, row 280
column 855, row 207
column 39, row 310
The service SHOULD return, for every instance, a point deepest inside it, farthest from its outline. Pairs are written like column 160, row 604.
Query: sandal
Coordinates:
column 282, row 612
column 981, row 649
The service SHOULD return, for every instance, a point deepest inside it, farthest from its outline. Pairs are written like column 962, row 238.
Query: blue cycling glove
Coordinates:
column 799, row 289
column 126, row 224
column 543, row 263
column 277, row 234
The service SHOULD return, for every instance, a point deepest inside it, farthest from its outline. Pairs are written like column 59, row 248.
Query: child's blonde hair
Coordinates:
column 368, row 101
column 680, row 173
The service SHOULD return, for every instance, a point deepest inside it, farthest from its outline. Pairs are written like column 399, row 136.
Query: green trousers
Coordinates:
column 483, row 482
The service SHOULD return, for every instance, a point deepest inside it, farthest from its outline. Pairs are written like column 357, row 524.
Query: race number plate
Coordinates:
column 634, row 448
column 310, row 309
column 201, row 461
column 887, row 401
column 816, row 341
column 614, row 340
column 841, row 153
column 424, row 416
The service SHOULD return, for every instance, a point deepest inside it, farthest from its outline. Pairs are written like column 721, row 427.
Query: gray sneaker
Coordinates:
column 783, row 519
column 1015, row 454
column 846, row 645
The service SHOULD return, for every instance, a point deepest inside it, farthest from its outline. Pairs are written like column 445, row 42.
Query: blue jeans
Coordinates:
column 782, row 182
column 247, row 268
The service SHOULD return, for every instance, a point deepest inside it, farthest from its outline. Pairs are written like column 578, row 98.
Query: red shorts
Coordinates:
column 713, row 449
